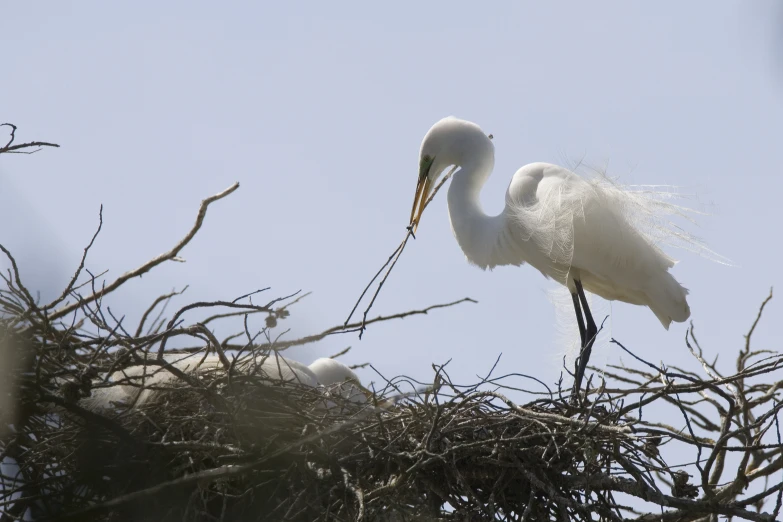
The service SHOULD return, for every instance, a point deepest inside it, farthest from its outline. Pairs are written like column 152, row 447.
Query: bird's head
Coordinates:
column 329, row 372
column 450, row 142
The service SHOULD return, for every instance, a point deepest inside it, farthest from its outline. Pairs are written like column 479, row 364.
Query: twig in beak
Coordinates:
column 391, row 257
column 439, row 185
column 392, row 260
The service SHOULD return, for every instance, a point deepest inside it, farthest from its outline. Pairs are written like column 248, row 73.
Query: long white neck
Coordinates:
column 477, row 233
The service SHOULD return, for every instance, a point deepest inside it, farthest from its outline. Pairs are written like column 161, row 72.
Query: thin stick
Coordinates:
column 400, row 249
column 10, row 148
column 72, row 283
column 152, row 263
column 393, row 258
column 355, row 306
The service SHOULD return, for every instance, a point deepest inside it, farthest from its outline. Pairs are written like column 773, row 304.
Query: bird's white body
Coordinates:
column 567, row 227
column 139, row 383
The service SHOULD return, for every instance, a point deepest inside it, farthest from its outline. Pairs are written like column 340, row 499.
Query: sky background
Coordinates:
column 318, row 110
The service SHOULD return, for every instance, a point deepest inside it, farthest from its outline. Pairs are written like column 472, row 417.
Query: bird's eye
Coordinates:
column 425, row 164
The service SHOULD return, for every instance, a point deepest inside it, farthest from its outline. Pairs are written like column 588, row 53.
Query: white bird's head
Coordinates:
column 450, row 142
column 329, row 372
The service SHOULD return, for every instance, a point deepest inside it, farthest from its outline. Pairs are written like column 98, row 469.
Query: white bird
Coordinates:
column 582, row 233
column 338, row 377
column 143, row 383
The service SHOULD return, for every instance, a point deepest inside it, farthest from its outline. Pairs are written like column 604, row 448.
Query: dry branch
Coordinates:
column 171, row 255
column 21, row 148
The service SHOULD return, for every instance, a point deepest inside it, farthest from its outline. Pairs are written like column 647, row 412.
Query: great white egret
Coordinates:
column 582, row 233
column 142, row 384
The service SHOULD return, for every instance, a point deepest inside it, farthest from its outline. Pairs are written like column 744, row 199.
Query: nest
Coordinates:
column 244, row 448
column 645, row 442
column 239, row 447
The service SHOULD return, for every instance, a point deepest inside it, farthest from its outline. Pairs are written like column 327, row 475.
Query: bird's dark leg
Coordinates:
column 592, row 329
column 587, row 332
column 579, row 319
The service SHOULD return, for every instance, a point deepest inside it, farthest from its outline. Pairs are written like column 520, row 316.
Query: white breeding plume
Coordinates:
column 587, row 234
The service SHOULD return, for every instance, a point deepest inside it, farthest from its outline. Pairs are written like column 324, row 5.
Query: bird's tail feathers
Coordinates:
column 668, row 301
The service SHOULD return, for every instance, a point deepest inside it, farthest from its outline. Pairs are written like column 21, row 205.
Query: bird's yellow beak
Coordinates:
column 364, row 391
column 367, row 393
column 420, row 198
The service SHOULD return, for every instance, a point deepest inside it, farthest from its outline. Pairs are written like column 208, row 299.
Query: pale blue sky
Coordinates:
column 318, row 110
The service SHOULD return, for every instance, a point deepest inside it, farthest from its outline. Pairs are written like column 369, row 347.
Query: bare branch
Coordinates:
column 20, row 149
column 152, row 263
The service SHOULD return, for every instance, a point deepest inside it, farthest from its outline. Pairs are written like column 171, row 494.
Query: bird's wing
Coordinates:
column 278, row 368
column 572, row 223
